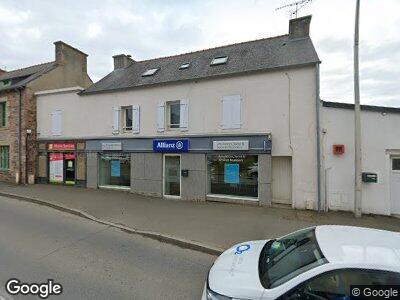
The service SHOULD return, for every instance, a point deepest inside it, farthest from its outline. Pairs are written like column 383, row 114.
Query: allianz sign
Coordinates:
column 173, row 146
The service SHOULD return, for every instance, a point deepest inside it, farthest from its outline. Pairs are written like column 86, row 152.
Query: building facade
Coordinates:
column 18, row 108
column 234, row 123
column 380, row 158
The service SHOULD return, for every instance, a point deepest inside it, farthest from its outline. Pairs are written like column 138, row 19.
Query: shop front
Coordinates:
column 218, row 168
column 61, row 163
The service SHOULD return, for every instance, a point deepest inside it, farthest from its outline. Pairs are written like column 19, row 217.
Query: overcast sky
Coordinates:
column 148, row 29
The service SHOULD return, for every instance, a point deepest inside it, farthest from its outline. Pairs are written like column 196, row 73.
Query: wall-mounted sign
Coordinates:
column 56, row 168
column 61, row 146
column 111, row 146
column 230, row 145
column 171, row 146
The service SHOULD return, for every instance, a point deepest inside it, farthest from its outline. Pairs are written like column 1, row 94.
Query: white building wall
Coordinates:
column 265, row 108
column 380, row 140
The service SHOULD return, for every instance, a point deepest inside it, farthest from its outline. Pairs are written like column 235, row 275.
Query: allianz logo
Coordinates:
column 170, row 145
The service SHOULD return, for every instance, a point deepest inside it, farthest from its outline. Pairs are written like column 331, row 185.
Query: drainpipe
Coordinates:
column 318, row 127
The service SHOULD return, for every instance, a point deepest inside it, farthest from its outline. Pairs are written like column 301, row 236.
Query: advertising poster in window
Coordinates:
column 231, row 174
column 115, row 168
column 56, row 168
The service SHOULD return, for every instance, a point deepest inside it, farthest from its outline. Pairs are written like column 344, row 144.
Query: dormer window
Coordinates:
column 184, row 66
column 220, row 60
column 150, row 72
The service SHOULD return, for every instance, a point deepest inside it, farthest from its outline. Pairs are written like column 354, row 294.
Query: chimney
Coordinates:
column 66, row 54
column 299, row 27
column 122, row 61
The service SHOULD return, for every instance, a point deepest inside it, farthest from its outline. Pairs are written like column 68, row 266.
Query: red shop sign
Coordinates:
column 56, row 156
column 69, row 156
column 62, row 146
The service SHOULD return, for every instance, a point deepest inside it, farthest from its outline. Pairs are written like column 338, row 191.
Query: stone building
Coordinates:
column 18, row 107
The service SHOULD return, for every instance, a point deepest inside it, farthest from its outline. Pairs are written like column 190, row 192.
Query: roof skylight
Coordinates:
column 150, row 72
column 184, row 66
column 220, row 60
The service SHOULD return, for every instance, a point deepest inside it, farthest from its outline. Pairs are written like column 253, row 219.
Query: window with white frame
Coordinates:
column 174, row 114
column 127, row 118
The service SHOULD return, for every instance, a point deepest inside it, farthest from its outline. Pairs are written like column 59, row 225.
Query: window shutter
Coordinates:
column 136, row 119
column 184, row 115
column 161, row 117
column 56, row 122
column 115, row 120
column 231, row 112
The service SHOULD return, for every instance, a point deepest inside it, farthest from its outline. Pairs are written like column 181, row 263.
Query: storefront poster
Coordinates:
column 115, row 168
column 56, row 168
column 231, row 173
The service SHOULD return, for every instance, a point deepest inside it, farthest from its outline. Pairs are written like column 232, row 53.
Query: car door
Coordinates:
column 337, row 284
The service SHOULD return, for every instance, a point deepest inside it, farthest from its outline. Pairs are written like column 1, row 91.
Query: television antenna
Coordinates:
column 297, row 6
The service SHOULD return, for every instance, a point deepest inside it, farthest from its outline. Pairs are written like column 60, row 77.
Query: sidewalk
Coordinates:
column 218, row 225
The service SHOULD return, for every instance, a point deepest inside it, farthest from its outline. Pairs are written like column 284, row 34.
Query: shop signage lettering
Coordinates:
column 61, row 146
column 171, row 146
column 231, row 145
column 111, row 146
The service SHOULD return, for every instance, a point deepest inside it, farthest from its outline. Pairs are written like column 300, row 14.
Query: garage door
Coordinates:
column 395, row 186
column 282, row 179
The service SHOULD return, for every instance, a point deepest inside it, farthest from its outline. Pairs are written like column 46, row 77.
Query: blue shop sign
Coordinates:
column 171, row 146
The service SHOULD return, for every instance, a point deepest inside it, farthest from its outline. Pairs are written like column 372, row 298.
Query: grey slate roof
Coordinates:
column 263, row 54
column 21, row 77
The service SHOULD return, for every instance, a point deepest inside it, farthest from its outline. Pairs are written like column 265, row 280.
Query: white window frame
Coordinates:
column 124, row 112
column 168, row 112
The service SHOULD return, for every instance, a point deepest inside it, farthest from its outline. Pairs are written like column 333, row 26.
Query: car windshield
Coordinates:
column 289, row 256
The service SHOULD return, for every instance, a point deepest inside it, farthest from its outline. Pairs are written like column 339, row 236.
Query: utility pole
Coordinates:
column 357, row 120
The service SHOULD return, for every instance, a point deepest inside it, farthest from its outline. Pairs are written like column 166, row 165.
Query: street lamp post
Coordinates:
column 357, row 120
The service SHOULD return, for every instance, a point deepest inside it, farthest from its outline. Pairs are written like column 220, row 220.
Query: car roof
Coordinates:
column 356, row 245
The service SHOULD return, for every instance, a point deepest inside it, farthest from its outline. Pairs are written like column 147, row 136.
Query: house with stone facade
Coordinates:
column 18, row 107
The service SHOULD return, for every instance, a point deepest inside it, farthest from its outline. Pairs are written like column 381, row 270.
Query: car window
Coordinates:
column 289, row 256
column 336, row 284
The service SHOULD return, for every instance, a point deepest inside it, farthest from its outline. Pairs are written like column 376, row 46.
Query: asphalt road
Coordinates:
column 90, row 260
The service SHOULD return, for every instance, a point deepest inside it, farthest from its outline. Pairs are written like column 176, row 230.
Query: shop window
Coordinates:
column 3, row 114
column 4, row 157
column 115, row 170
column 233, row 175
column 396, row 164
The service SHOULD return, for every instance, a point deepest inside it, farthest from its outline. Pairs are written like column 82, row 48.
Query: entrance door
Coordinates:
column 282, row 179
column 395, row 186
column 70, row 169
column 172, row 175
